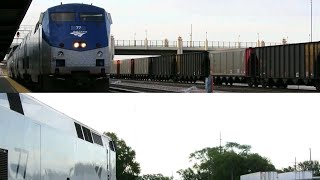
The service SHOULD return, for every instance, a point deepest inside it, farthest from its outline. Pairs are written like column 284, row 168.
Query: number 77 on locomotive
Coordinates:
column 69, row 45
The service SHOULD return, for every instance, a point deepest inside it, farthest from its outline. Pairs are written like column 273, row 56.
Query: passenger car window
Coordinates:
column 97, row 139
column 87, row 134
column 79, row 130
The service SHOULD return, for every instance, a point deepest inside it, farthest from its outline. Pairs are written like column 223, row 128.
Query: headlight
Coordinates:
column 100, row 54
column 60, row 54
column 76, row 45
column 83, row 45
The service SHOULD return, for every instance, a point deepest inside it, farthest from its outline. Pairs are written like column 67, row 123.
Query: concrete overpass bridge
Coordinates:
column 166, row 47
column 159, row 47
column 12, row 13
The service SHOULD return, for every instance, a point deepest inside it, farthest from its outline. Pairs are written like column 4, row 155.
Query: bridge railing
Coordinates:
column 144, row 43
column 173, row 44
column 188, row 44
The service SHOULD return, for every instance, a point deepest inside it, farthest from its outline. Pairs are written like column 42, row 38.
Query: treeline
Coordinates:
column 225, row 162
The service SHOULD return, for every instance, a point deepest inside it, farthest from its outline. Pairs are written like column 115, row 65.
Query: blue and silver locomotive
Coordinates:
column 70, row 44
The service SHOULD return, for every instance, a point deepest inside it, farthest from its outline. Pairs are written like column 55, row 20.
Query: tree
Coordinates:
column 127, row 166
column 310, row 166
column 154, row 177
column 188, row 174
column 288, row 169
column 313, row 166
column 228, row 162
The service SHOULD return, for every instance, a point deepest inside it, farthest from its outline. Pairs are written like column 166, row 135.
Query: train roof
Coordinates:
column 75, row 7
column 38, row 111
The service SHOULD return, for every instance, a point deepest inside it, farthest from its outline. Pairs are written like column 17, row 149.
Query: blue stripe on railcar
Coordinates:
column 58, row 33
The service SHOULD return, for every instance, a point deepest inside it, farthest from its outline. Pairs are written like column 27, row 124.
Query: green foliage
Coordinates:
column 228, row 162
column 154, row 177
column 127, row 166
column 313, row 166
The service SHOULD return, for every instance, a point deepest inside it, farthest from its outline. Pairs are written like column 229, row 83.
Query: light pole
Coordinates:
column 146, row 40
column 191, row 36
column 311, row 22
column 258, row 39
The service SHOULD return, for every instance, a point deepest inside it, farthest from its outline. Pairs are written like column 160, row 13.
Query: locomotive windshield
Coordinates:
column 63, row 17
column 91, row 17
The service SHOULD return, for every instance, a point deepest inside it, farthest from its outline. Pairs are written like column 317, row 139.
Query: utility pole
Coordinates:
column 295, row 168
column 311, row 164
column 310, row 154
column 220, row 143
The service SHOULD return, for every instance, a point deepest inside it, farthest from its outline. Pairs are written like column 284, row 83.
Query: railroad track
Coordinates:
column 133, row 89
column 238, row 88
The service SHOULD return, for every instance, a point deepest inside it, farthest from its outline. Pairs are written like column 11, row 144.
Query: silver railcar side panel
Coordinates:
column 125, row 67
column 46, row 115
column 141, row 66
column 40, row 149
column 21, row 137
column 34, row 62
column 113, row 69
column 228, row 62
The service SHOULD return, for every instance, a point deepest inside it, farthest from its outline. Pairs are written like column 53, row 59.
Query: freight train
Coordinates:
column 38, row 142
column 182, row 68
column 69, row 45
column 270, row 66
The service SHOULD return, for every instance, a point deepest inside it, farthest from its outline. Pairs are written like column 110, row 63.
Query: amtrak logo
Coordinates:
column 79, row 33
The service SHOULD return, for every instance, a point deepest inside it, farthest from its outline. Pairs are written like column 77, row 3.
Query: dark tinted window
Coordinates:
column 111, row 146
column 97, row 139
column 91, row 17
column 87, row 134
column 114, row 145
column 63, row 17
column 15, row 102
column 79, row 131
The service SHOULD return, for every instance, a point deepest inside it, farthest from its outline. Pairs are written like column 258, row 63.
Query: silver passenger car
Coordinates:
column 39, row 143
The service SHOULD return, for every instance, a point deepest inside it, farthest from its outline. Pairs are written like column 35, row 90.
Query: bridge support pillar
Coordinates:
column 112, row 47
column 180, row 45
column 206, row 46
column 146, row 43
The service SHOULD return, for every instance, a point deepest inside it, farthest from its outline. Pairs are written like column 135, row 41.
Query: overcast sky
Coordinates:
column 224, row 20
column 165, row 129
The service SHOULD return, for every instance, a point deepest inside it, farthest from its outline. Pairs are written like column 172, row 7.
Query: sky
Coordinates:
column 164, row 129
column 223, row 20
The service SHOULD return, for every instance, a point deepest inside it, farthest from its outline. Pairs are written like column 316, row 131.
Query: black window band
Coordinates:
column 15, row 102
